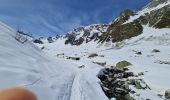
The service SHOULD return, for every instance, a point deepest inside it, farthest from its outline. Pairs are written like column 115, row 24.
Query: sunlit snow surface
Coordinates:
column 53, row 77
column 156, row 75
column 49, row 78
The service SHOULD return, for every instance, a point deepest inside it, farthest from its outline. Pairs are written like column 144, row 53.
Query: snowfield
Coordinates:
column 156, row 75
column 147, row 10
column 50, row 79
column 55, row 71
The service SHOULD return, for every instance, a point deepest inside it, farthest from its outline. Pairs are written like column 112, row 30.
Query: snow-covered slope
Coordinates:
column 148, row 10
column 23, row 64
column 156, row 73
column 153, row 26
column 70, row 71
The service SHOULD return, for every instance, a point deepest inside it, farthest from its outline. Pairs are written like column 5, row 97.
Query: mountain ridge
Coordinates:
column 156, row 14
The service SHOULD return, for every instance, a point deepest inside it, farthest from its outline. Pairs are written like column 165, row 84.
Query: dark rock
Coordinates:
column 74, row 58
column 167, row 94
column 93, row 55
column 50, row 39
column 38, row 41
column 125, row 97
column 42, row 48
column 155, row 50
column 139, row 53
column 160, row 95
column 115, row 83
column 81, row 66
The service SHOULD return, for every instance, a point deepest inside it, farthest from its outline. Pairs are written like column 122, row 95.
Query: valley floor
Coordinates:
column 54, row 77
column 154, row 65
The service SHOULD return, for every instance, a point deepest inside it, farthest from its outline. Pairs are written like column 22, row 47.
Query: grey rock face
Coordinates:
column 85, row 34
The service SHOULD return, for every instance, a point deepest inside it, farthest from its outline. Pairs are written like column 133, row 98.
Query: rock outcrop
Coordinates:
column 116, row 83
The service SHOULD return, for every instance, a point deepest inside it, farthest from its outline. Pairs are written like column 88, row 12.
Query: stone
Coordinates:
column 139, row 53
column 155, row 50
column 138, row 84
column 167, row 94
column 122, row 65
column 74, row 58
column 140, row 74
column 93, row 55
column 125, row 97
column 82, row 66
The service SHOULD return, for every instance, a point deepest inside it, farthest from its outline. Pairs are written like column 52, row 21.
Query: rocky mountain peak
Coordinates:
column 155, row 3
column 129, row 24
column 85, row 34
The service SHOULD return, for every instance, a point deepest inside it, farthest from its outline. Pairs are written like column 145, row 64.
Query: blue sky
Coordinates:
column 50, row 17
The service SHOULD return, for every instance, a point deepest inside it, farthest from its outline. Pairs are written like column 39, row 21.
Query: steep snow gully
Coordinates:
column 49, row 78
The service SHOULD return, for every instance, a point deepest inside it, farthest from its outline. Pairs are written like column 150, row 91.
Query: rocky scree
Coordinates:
column 116, row 83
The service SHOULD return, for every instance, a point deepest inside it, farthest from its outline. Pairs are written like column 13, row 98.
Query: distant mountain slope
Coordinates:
column 128, row 24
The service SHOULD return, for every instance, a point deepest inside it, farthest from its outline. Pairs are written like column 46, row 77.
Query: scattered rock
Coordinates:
column 125, row 97
column 38, row 41
column 140, row 74
column 138, row 85
column 93, row 55
column 139, row 53
column 100, row 63
column 167, row 94
column 101, row 55
column 74, row 58
column 163, row 62
column 115, row 82
column 122, row 65
column 42, row 48
column 160, row 95
column 50, row 39
column 155, row 50
column 62, row 54
column 82, row 66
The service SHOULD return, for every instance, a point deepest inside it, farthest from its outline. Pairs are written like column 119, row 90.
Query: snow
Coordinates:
column 50, row 79
column 156, row 75
column 145, row 11
column 51, row 76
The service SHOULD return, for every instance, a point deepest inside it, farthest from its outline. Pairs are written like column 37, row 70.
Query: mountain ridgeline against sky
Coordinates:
column 126, row 59
column 51, row 17
column 128, row 24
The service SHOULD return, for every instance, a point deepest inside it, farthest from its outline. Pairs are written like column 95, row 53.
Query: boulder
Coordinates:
column 38, row 41
column 93, row 55
column 74, row 58
column 122, row 65
column 155, row 50
column 139, row 53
